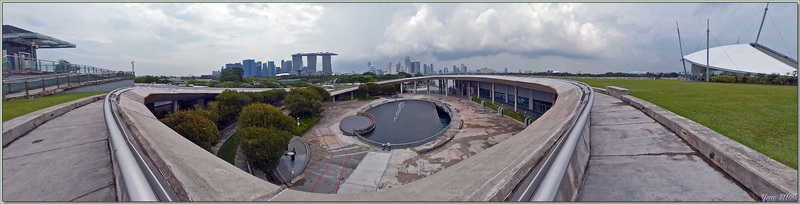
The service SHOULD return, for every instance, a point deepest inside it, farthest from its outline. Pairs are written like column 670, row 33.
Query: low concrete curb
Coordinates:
column 759, row 173
column 17, row 127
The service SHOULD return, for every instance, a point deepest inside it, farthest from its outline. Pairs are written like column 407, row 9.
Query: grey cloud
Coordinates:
column 532, row 54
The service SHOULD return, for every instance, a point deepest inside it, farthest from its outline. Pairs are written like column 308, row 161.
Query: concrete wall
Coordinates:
column 105, row 87
column 493, row 173
column 756, row 171
column 14, row 128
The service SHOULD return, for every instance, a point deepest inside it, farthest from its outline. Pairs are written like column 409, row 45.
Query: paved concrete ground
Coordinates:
column 367, row 176
column 340, row 161
column 287, row 169
column 64, row 159
column 400, row 166
column 634, row 158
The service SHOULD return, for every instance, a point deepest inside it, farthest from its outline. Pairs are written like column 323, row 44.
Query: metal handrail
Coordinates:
column 547, row 179
column 137, row 188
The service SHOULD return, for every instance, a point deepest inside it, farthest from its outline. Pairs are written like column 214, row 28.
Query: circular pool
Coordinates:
column 406, row 123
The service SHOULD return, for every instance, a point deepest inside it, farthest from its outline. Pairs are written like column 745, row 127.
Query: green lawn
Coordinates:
column 762, row 117
column 228, row 149
column 16, row 108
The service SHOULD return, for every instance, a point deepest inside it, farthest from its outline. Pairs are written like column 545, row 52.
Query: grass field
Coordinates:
column 762, row 117
column 228, row 149
column 16, row 108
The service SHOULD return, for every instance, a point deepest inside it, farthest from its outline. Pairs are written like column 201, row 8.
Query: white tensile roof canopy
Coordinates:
column 740, row 58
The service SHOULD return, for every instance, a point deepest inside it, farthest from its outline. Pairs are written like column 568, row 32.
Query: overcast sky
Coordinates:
column 194, row 39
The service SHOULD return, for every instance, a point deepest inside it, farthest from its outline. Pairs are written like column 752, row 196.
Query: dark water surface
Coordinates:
column 415, row 120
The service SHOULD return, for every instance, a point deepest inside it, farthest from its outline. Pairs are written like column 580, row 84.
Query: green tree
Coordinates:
column 233, row 74
column 227, row 106
column 274, row 96
column 418, row 75
column 264, row 115
column 374, row 89
column 326, row 96
column 263, row 146
column 388, row 89
column 303, row 102
column 403, row 75
column 194, row 126
column 146, row 79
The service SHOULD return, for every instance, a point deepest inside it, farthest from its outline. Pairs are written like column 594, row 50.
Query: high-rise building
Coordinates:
column 455, row 69
column 232, row 65
column 432, row 70
column 312, row 65
column 297, row 65
column 259, row 69
column 249, row 66
column 271, row 68
column 505, row 70
column 445, row 69
column 397, row 68
column 287, row 66
column 463, row 68
column 424, row 68
column 389, row 68
column 407, row 63
column 417, row 68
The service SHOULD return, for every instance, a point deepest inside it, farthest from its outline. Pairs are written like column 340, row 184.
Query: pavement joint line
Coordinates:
column 636, row 123
column 90, row 192
column 651, row 154
column 326, row 166
column 49, row 150
column 343, row 163
column 64, row 126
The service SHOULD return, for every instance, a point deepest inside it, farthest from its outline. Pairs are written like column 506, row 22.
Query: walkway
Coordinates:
column 634, row 158
column 64, row 159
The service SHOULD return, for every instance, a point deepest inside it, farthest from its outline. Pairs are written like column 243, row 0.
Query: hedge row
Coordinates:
column 773, row 79
column 510, row 113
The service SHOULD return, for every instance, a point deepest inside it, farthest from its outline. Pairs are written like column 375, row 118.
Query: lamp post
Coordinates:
column 133, row 70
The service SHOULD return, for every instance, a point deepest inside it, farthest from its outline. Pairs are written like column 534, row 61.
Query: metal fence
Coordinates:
column 51, row 76
column 12, row 63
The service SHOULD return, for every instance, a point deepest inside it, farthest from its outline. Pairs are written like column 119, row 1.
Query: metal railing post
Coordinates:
column 43, row 87
column 27, row 95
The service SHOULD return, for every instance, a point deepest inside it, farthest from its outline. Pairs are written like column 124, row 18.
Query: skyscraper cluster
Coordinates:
column 253, row 68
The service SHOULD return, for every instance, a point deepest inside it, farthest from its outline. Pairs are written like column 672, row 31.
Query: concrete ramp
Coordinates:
column 634, row 158
column 367, row 176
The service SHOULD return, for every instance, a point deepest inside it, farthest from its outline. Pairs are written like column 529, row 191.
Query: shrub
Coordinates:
column 264, row 115
column 227, row 106
column 229, row 84
column 724, row 79
column 194, row 126
column 303, row 102
column 305, row 124
column 274, row 96
column 326, row 96
column 388, row 89
column 263, row 146
column 753, row 80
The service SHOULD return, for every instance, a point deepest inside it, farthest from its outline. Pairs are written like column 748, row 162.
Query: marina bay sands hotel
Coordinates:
column 297, row 63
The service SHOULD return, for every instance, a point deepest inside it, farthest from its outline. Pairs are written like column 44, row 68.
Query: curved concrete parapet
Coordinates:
column 194, row 173
column 491, row 175
column 14, row 128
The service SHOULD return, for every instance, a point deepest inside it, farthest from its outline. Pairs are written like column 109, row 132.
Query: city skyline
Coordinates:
column 196, row 39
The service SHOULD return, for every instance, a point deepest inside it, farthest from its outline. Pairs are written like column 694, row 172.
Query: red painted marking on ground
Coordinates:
column 326, row 166
column 345, row 162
